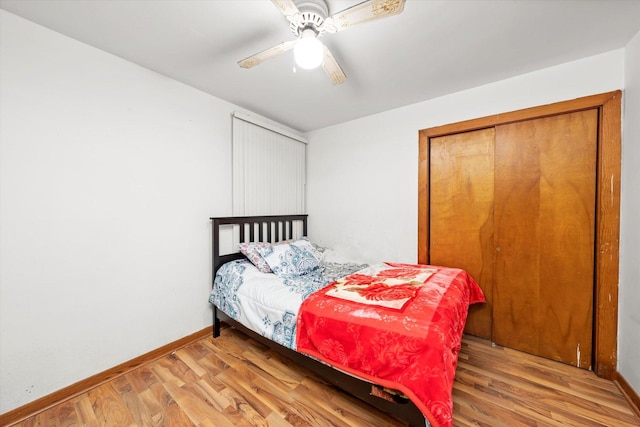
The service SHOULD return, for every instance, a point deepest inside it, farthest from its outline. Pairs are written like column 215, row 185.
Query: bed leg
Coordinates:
column 216, row 323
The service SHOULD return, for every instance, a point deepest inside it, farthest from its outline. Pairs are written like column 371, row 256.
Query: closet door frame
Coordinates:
column 605, row 321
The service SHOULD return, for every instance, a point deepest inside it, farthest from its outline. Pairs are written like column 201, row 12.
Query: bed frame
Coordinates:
column 274, row 228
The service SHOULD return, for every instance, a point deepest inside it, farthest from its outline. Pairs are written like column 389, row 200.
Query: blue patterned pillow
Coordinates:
column 250, row 250
column 294, row 259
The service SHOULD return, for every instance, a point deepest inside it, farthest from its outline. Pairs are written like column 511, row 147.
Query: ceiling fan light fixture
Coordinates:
column 308, row 51
column 309, row 20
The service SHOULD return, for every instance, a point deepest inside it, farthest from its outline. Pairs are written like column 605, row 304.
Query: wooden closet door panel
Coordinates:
column 461, row 213
column 545, row 236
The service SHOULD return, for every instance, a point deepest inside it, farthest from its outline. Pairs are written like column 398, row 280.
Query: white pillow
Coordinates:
column 342, row 256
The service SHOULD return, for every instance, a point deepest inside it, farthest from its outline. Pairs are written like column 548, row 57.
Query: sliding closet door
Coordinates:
column 461, row 213
column 545, row 236
column 556, row 224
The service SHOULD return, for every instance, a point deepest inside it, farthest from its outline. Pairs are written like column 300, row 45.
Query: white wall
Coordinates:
column 629, row 308
column 362, row 176
column 109, row 173
column 108, row 176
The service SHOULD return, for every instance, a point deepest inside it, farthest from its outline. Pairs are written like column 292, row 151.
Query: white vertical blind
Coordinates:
column 268, row 171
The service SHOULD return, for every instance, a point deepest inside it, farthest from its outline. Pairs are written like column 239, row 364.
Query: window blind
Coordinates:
column 269, row 170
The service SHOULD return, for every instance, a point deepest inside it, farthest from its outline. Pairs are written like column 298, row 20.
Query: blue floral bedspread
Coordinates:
column 268, row 304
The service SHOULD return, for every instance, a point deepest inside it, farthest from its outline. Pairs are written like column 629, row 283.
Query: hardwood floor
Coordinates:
column 234, row 381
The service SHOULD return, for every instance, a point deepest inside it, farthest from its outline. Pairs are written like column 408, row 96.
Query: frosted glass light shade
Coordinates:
column 308, row 52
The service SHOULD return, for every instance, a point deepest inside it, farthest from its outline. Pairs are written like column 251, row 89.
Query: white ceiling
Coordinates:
column 435, row 47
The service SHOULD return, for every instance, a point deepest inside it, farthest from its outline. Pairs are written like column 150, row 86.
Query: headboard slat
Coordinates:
column 252, row 231
column 278, row 227
column 241, row 231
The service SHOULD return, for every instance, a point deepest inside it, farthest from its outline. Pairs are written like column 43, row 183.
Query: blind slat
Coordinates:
column 268, row 171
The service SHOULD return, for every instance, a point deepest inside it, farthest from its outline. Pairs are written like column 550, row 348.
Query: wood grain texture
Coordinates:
column 461, row 213
column 583, row 103
column 83, row 385
column 629, row 393
column 608, row 236
column 235, row 381
column 607, row 211
column 545, row 220
column 424, row 151
column 510, row 388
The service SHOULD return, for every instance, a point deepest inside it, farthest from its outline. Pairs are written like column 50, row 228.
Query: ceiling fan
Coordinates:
column 309, row 20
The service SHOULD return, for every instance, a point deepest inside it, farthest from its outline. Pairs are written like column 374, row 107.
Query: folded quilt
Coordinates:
column 382, row 285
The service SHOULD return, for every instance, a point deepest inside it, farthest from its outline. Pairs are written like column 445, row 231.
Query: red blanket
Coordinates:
column 413, row 350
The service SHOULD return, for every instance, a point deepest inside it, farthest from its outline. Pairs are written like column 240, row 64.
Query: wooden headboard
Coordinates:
column 269, row 228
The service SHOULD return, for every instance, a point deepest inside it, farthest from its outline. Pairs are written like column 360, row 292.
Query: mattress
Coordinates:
column 266, row 303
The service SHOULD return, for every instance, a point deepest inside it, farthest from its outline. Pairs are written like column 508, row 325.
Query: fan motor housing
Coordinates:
column 312, row 15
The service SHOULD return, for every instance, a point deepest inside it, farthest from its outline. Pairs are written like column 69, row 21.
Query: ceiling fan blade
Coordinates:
column 332, row 68
column 363, row 12
column 272, row 52
column 287, row 7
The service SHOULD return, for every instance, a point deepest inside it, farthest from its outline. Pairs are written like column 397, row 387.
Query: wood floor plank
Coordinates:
column 172, row 369
column 278, row 366
column 276, row 420
column 108, row 406
column 133, row 400
column 268, row 378
column 346, row 407
column 577, row 391
column 234, row 381
column 471, row 410
column 153, row 406
column 241, row 411
column 66, row 415
column 141, row 378
column 85, row 412
column 215, row 398
column 185, row 356
column 276, row 398
column 243, row 387
column 191, row 401
column 172, row 414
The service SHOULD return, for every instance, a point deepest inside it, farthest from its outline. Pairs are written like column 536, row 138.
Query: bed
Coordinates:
column 387, row 333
